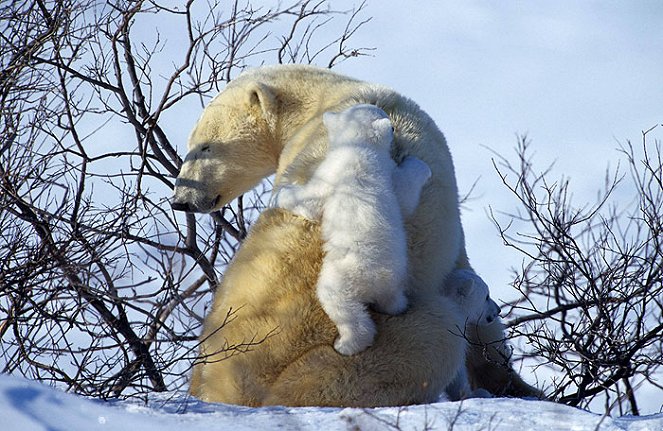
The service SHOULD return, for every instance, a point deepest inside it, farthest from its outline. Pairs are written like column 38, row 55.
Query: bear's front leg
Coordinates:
column 459, row 388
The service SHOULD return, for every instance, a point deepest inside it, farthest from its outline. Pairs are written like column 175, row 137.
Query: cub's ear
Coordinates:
column 329, row 119
column 383, row 125
column 263, row 96
column 465, row 287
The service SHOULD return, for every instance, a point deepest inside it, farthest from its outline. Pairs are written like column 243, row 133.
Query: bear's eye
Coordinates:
column 204, row 148
column 487, row 297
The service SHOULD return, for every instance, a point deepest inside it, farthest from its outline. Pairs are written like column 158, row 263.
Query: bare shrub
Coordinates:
column 591, row 286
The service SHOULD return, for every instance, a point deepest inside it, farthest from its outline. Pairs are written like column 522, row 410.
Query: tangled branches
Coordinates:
column 100, row 282
column 591, row 287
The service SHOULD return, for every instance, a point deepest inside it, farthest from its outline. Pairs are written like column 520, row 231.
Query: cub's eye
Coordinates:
column 487, row 297
column 204, row 148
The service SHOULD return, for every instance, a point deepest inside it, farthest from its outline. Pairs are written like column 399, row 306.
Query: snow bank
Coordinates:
column 28, row 406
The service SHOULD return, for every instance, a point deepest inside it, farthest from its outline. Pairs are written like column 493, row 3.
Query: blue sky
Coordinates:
column 578, row 78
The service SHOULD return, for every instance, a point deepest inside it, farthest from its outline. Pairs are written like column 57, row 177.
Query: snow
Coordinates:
column 28, row 405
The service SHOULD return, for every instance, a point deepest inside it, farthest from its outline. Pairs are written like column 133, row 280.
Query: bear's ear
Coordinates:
column 263, row 96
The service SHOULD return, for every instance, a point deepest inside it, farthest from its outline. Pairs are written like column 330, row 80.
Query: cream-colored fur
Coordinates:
column 270, row 120
column 272, row 283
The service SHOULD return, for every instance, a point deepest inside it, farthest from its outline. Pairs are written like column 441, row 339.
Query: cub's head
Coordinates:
column 359, row 125
column 469, row 291
column 231, row 148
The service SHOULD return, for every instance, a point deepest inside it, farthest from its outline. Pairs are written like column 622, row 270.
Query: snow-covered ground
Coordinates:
column 27, row 405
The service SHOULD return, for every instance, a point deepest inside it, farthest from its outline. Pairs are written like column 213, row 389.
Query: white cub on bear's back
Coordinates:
column 465, row 288
column 361, row 196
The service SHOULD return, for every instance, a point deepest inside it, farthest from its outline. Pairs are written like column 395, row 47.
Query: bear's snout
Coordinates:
column 188, row 206
column 181, row 206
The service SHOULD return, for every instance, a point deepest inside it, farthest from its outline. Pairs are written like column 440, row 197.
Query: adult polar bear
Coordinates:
column 270, row 120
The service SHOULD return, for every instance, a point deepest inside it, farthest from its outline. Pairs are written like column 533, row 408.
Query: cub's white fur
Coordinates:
column 472, row 295
column 361, row 197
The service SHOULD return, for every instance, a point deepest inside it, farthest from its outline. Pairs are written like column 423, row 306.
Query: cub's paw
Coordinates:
column 285, row 198
column 393, row 305
column 419, row 171
column 288, row 198
column 354, row 339
column 480, row 393
column 409, row 179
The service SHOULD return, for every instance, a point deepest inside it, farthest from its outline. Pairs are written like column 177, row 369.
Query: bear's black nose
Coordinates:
column 181, row 206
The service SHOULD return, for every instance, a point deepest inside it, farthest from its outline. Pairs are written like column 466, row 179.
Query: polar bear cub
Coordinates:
column 465, row 288
column 361, row 196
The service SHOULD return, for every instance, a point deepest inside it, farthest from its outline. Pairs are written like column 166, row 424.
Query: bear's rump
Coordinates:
column 295, row 363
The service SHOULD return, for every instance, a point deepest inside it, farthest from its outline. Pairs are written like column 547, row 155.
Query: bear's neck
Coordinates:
column 301, row 125
column 307, row 103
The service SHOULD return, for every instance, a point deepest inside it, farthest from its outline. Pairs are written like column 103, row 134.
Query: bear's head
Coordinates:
column 231, row 148
column 361, row 124
column 472, row 294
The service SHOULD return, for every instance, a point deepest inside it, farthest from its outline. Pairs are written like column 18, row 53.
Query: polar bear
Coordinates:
column 466, row 289
column 365, row 250
column 266, row 339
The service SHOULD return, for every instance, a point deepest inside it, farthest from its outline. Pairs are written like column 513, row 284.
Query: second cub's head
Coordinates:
column 231, row 148
column 359, row 125
column 471, row 293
